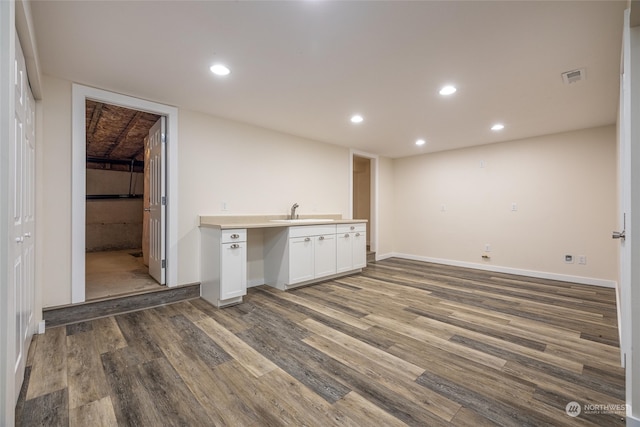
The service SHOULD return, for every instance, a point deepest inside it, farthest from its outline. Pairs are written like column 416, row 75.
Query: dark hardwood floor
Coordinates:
column 403, row 343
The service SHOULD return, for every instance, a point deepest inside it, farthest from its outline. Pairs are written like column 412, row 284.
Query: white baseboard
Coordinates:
column 520, row 272
column 380, row 257
column 633, row 421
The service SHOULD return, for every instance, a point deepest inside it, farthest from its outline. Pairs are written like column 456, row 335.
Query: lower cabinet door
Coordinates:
column 301, row 260
column 359, row 247
column 233, row 270
column 344, row 252
column 324, row 255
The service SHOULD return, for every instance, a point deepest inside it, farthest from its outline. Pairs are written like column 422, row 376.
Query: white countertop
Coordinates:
column 269, row 221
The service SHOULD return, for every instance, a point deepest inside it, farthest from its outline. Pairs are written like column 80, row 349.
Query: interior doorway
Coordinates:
column 117, row 200
column 364, row 196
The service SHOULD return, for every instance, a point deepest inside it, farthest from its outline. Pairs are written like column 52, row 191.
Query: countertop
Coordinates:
column 266, row 221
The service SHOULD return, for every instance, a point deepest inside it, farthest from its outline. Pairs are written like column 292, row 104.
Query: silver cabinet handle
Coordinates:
column 618, row 235
column 19, row 239
column 352, row 227
column 235, row 236
column 306, row 239
column 234, row 246
column 346, row 235
column 321, row 238
column 357, row 234
column 28, row 235
column 147, row 209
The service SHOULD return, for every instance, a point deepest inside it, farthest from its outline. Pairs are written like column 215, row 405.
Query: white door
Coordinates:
column 157, row 201
column 21, row 205
column 233, row 270
column 300, row 259
column 325, row 255
column 359, row 248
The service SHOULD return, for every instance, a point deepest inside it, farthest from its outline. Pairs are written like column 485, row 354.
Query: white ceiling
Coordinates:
column 305, row 67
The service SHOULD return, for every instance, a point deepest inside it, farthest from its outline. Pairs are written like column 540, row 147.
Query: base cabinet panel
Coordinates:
column 301, row 255
column 301, row 259
column 223, row 265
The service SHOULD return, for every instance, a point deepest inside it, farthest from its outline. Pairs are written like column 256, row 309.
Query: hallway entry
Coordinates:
column 124, row 180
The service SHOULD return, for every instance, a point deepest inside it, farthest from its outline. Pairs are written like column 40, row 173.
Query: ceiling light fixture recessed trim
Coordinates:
column 420, row 142
column 448, row 90
column 497, row 126
column 357, row 118
column 220, row 70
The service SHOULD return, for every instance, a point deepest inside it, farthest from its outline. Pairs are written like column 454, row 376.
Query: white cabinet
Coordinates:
column 324, row 255
column 299, row 255
column 223, row 265
column 301, row 259
column 351, row 247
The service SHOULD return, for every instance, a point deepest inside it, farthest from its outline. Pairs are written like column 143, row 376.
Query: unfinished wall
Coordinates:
column 113, row 224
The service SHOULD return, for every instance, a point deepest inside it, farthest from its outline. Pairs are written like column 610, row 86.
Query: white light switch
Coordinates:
column 514, row 206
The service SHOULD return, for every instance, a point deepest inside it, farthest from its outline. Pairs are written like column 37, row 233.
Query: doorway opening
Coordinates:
column 117, row 200
column 364, row 191
column 163, row 137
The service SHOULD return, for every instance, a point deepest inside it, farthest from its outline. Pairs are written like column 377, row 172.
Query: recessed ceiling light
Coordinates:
column 497, row 126
column 420, row 142
column 448, row 90
column 356, row 118
column 220, row 70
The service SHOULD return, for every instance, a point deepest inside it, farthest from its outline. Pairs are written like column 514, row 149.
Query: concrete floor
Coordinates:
column 116, row 273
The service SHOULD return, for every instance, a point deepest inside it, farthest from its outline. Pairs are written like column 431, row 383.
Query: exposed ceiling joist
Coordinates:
column 97, row 111
column 124, row 133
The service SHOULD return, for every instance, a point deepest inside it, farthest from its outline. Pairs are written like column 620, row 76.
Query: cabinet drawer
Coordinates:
column 234, row 235
column 311, row 230
column 348, row 228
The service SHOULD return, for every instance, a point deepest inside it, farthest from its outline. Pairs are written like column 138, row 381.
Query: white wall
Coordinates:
column 564, row 186
column 53, row 203
column 255, row 171
column 252, row 169
column 386, row 207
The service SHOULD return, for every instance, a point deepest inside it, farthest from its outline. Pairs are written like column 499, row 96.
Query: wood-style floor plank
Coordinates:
column 49, row 367
column 403, row 343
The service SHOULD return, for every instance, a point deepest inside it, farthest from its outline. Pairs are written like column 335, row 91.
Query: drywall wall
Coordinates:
column 386, row 203
column 248, row 169
column 53, row 203
column 532, row 201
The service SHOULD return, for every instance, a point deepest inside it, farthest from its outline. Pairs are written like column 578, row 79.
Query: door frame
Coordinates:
column 79, row 95
column 373, row 226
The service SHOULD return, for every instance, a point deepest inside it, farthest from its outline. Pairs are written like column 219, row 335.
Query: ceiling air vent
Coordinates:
column 574, row 76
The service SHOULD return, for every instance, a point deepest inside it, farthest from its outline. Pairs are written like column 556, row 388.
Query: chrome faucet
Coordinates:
column 293, row 211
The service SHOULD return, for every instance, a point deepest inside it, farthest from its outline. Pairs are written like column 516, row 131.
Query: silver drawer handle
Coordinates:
column 235, row 236
column 306, row 239
column 321, row 238
column 235, row 246
column 353, row 227
column 346, row 235
column 357, row 234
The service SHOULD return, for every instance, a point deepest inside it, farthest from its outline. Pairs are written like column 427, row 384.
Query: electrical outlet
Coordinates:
column 487, row 247
column 514, row 207
column 224, row 206
column 443, row 208
column 582, row 259
column 568, row 259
